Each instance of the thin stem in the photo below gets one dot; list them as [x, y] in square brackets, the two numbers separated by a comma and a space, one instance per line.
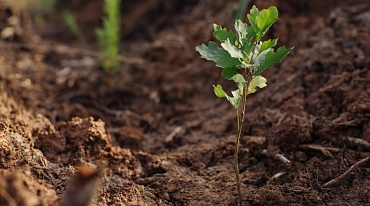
[236, 152]
[245, 94]
[238, 119]
[240, 123]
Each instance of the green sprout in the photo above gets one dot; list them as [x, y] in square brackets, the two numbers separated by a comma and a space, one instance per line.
[243, 59]
[71, 22]
[109, 36]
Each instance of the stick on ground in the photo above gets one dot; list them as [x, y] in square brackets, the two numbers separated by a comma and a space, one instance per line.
[340, 177]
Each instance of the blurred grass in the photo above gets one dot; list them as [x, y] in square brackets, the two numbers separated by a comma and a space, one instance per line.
[71, 22]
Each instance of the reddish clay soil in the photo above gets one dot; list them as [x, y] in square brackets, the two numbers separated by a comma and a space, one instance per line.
[155, 134]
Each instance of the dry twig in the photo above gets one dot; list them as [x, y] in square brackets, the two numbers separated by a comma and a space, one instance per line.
[170, 137]
[283, 159]
[324, 150]
[276, 176]
[340, 177]
[358, 142]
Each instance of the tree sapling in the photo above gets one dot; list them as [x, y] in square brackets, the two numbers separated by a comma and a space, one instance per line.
[243, 58]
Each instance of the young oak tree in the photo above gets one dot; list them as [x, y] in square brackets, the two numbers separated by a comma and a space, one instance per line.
[243, 58]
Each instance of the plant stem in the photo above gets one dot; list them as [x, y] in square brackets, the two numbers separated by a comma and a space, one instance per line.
[236, 152]
[240, 123]
[248, 77]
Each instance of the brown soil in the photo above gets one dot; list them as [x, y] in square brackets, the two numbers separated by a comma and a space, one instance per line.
[156, 134]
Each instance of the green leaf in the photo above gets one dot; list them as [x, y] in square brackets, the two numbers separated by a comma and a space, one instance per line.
[259, 59]
[234, 51]
[238, 78]
[232, 74]
[268, 44]
[241, 28]
[219, 92]
[248, 49]
[221, 34]
[257, 81]
[220, 56]
[250, 34]
[236, 99]
[262, 20]
[245, 32]
[229, 73]
[273, 58]
[252, 16]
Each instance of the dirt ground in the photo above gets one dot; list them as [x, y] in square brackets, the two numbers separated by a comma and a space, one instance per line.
[155, 134]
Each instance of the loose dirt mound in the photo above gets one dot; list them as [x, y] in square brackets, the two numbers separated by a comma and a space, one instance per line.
[156, 135]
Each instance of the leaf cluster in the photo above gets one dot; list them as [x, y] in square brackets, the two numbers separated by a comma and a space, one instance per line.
[244, 56]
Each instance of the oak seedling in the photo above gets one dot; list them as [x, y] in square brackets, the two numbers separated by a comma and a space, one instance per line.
[243, 58]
